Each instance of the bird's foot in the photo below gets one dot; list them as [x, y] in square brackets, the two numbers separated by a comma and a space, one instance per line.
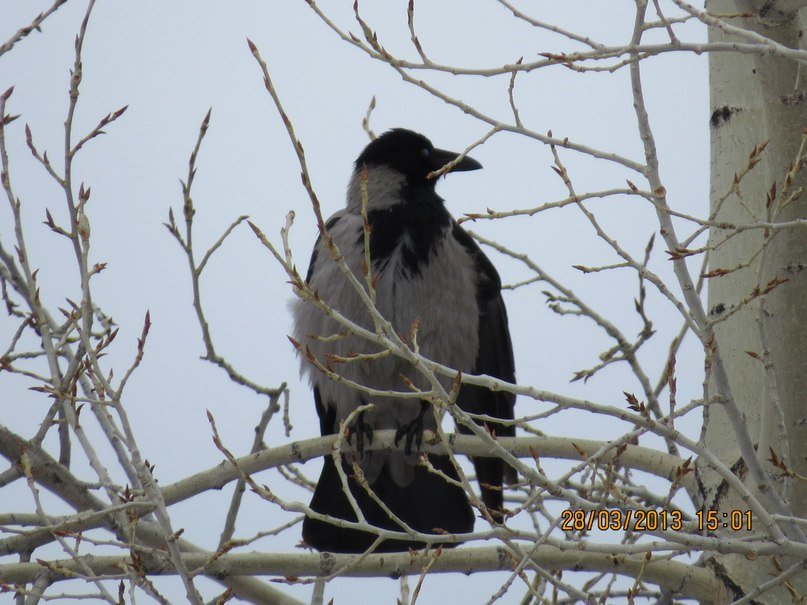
[412, 431]
[361, 430]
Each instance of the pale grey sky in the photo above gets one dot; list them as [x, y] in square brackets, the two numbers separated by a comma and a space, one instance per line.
[171, 61]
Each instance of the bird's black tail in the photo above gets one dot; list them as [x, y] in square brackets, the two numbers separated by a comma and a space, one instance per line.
[429, 504]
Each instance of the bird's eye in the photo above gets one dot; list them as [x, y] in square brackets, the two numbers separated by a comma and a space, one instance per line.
[425, 152]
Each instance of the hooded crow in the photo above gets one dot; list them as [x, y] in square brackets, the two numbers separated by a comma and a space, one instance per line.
[427, 272]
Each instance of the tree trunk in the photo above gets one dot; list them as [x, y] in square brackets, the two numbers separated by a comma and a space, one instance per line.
[757, 99]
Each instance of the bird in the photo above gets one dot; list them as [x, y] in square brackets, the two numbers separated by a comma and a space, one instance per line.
[428, 273]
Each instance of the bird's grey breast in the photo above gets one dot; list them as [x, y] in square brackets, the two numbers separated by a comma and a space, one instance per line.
[440, 299]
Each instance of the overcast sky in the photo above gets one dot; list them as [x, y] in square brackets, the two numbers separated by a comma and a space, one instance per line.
[171, 62]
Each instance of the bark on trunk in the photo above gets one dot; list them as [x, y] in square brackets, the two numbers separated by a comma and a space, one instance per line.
[757, 99]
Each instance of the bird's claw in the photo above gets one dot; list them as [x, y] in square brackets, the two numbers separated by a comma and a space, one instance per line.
[361, 430]
[413, 431]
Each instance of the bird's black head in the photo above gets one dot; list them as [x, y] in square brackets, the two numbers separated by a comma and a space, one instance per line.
[411, 154]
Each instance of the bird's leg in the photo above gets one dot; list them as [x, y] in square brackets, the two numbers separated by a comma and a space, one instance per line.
[413, 431]
[360, 429]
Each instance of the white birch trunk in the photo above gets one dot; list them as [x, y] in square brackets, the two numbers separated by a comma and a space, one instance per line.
[754, 99]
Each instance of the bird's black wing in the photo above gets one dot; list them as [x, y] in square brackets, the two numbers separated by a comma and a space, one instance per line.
[329, 224]
[494, 358]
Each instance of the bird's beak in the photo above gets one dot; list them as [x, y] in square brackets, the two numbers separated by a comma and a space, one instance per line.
[441, 157]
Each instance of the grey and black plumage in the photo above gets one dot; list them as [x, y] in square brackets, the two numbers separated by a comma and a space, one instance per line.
[426, 269]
